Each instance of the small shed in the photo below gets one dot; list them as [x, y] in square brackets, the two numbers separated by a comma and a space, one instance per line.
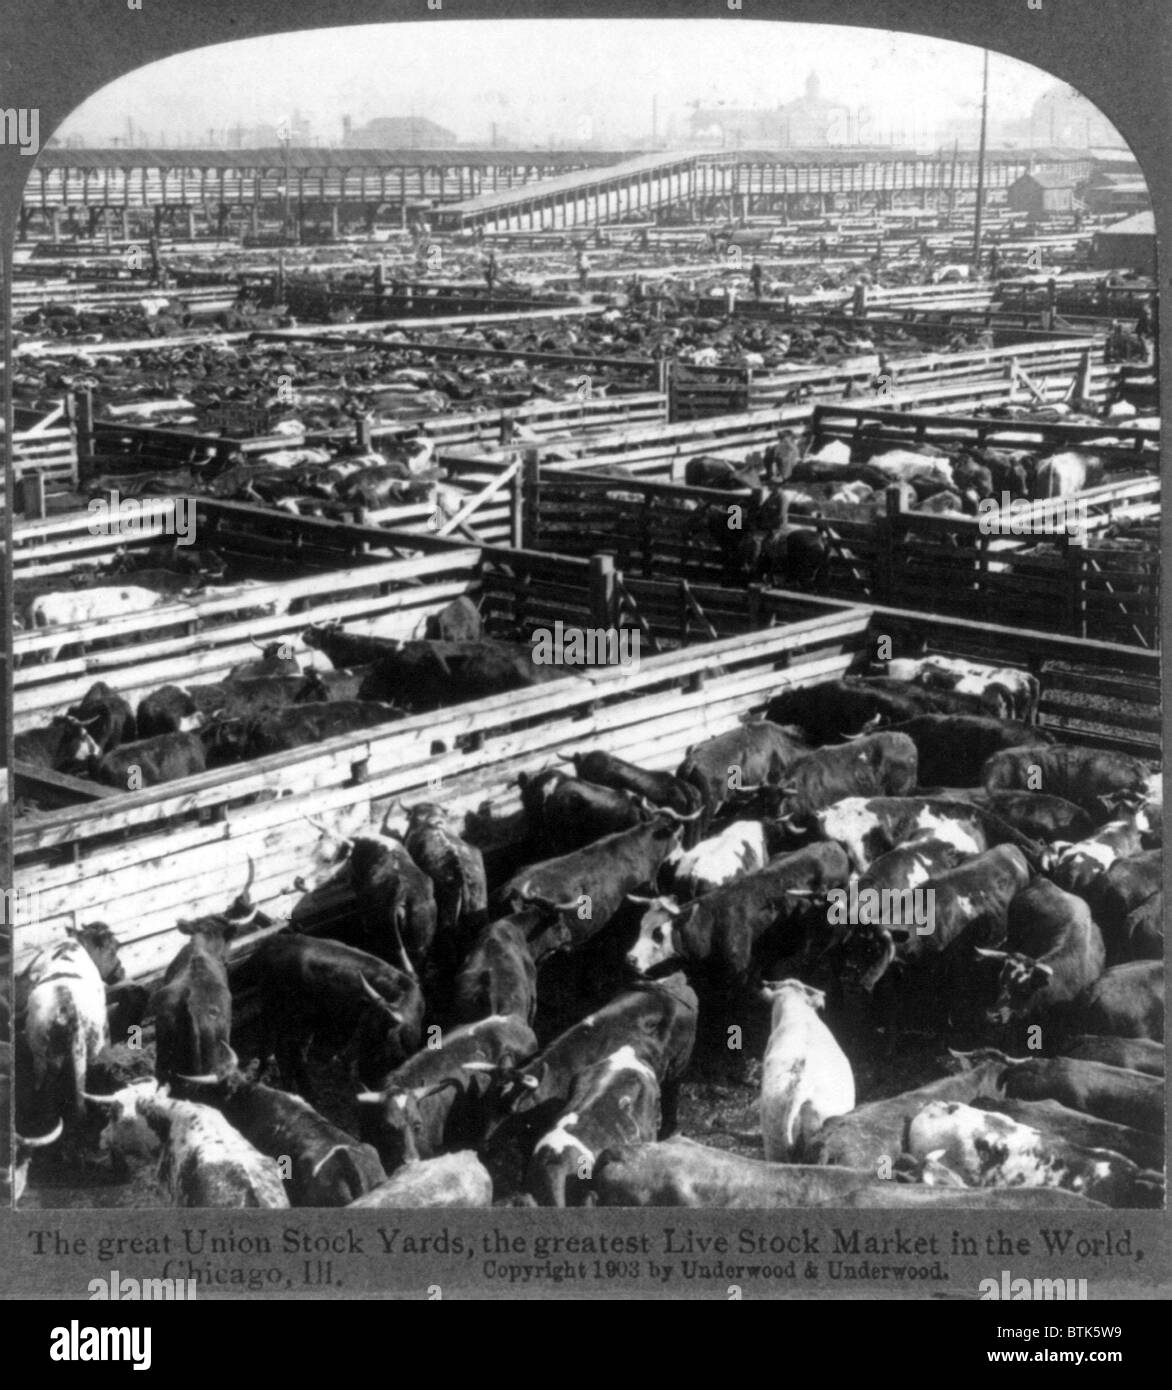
[1127, 245]
[1041, 195]
[1112, 193]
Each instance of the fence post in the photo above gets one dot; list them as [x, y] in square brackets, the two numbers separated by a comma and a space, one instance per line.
[506, 426]
[363, 434]
[603, 591]
[887, 554]
[380, 289]
[80, 408]
[531, 514]
[517, 510]
[32, 496]
[1075, 555]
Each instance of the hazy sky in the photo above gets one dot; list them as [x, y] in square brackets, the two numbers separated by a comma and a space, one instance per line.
[551, 76]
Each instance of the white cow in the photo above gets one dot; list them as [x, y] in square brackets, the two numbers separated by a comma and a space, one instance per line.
[89, 605]
[451, 1180]
[739, 849]
[1008, 692]
[205, 1161]
[806, 1078]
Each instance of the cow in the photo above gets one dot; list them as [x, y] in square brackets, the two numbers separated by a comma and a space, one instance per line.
[1079, 866]
[449, 1180]
[1069, 770]
[1117, 1094]
[833, 710]
[658, 1020]
[585, 889]
[150, 762]
[660, 788]
[344, 649]
[1127, 1001]
[741, 848]
[756, 753]
[615, 1101]
[1004, 691]
[564, 814]
[169, 710]
[432, 1101]
[456, 871]
[874, 765]
[678, 1172]
[206, 1162]
[458, 621]
[953, 748]
[868, 827]
[317, 990]
[276, 659]
[1067, 472]
[1038, 815]
[65, 1024]
[1054, 950]
[261, 733]
[498, 976]
[988, 1149]
[1055, 1120]
[193, 1003]
[107, 717]
[723, 475]
[805, 1077]
[871, 1136]
[326, 1166]
[1133, 1054]
[720, 931]
[62, 745]
[1125, 886]
[89, 606]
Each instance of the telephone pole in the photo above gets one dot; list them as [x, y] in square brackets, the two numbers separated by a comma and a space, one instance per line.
[981, 166]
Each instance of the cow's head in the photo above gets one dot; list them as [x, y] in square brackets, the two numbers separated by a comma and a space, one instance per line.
[1020, 979]
[866, 953]
[101, 945]
[392, 1120]
[427, 815]
[79, 748]
[794, 991]
[387, 1030]
[536, 789]
[657, 943]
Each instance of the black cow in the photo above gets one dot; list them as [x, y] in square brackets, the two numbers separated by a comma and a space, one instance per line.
[953, 748]
[169, 710]
[456, 870]
[62, 745]
[1083, 775]
[874, 765]
[150, 761]
[345, 649]
[585, 889]
[498, 975]
[433, 1102]
[459, 621]
[276, 659]
[564, 813]
[322, 991]
[660, 788]
[280, 730]
[1134, 1054]
[1127, 1001]
[193, 1004]
[833, 710]
[758, 753]
[106, 715]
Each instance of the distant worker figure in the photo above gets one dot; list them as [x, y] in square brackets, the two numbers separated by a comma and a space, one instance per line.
[1143, 321]
[583, 264]
[644, 240]
[823, 247]
[782, 458]
[756, 277]
[994, 262]
[490, 269]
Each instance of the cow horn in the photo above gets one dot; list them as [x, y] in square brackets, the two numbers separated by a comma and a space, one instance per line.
[44, 1140]
[207, 1079]
[378, 999]
[668, 812]
[331, 834]
[479, 1066]
[85, 723]
[426, 1092]
[369, 1097]
[789, 823]
[567, 757]
[255, 643]
[986, 954]
[872, 977]
[233, 1060]
[99, 1100]
[635, 898]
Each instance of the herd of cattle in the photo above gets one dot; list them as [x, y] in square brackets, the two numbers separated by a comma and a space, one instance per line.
[877, 859]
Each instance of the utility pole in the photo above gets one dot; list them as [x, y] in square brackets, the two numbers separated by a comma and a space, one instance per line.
[981, 166]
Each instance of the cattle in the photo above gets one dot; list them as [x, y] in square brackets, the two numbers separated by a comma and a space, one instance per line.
[1117, 895]
[498, 976]
[805, 1077]
[874, 765]
[459, 621]
[182, 559]
[659, 788]
[681, 1173]
[565, 814]
[834, 710]
[276, 659]
[432, 1101]
[107, 717]
[424, 676]
[1075, 773]
[758, 752]
[1005, 692]
[786, 556]
[193, 1004]
[1055, 1120]
[615, 1101]
[169, 710]
[456, 870]
[1078, 866]
[89, 606]
[449, 1180]
[326, 1166]
[1127, 1001]
[1067, 472]
[741, 848]
[65, 1025]
[585, 889]
[1117, 1094]
[871, 1136]
[259, 734]
[1038, 815]
[344, 649]
[126, 1139]
[1134, 1054]
[658, 1020]
[953, 748]
[206, 1162]
[317, 990]
[1054, 950]
[150, 762]
[988, 1149]
[62, 745]
[720, 931]
[723, 475]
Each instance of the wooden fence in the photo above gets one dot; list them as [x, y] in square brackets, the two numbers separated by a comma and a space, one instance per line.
[44, 449]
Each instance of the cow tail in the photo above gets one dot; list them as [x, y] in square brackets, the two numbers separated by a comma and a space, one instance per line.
[397, 925]
[79, 1064]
